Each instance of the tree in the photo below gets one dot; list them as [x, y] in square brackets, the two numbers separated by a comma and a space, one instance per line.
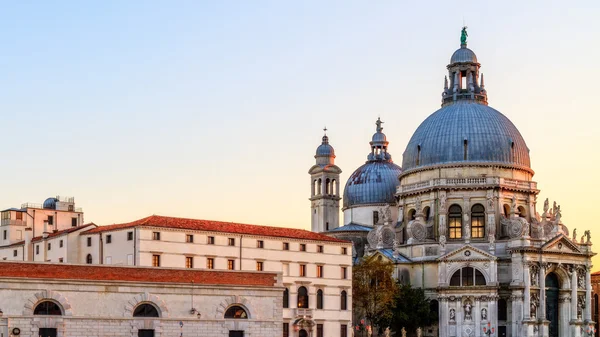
[412, 310]
[374, 290]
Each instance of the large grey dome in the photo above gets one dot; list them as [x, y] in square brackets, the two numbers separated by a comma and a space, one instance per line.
[373, 183]
[485, 134]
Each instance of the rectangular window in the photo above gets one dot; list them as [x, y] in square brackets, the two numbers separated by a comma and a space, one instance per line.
[260, 244]
[129, 236]
[231, 264]
[319, 330]
[4, 234]
[15, 253]
[302, 247]
[343, 330]
[89, 241]
[49, 246]
[155, 235]
[286, 329]
[210, 240]
[319, 271]
[50, 220]
[155, 260]
[210, 263]
[189, 262]
[37, 250]
[319, 249]
[344, 273]
[231, 241]
[286, 246]
[259, 266]
[60, 243]
[60, 259]
[73, 222]
[19, 215]
[189, 238]
[302, 270]
[109, 238]
[344, 251]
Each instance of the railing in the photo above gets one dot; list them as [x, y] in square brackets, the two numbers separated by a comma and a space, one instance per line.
[303, 312]
[8, 222]
[441, 182]
[40, 206]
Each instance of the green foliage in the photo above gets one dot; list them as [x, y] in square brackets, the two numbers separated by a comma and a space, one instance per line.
[374, 291]
[412, 310]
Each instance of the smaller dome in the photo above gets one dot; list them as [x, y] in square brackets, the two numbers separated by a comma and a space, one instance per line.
[379, 137]
[50, 203]
[325, 149]
[463, 55]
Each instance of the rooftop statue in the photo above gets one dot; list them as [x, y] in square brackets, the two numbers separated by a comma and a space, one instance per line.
[463, 36]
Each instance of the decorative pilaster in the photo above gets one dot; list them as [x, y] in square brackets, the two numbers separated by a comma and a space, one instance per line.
[527, 297]
[573, 293]
[588, 294]
[542, 283]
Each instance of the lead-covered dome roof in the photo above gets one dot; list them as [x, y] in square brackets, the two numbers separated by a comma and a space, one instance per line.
[466, 132]
[463, 55]
[374, 183]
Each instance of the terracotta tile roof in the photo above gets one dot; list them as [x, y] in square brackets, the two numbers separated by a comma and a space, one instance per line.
[596, 273]
[217, 226]
[64, 231]
[133, 274]
[20, 243]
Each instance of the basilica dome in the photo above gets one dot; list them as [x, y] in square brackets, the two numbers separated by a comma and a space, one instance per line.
[374, 183]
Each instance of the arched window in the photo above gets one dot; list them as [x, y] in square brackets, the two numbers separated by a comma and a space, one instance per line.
[314, 187]
[334, 187]
[426, 213]
[145, 310]
[455, 222]
[88, 259]
[302, 297]
[344, 300]
[467, 277]
[327, 186]
[522, 212]
[502, 310]
[477, 221]
[412, 214]
[319, 299]
[237, 312]
[319, 189]
[506, 209]
[47, 308]
[286, 298]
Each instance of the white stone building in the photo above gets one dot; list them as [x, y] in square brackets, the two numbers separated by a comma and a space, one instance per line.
[459, 219]
[65, 300]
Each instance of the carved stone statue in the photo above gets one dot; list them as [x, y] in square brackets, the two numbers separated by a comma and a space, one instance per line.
[514, 203]
[588, 235]
[452, 315]
[546, 206]
[533, 273]
[554, 207]
[387, 332]
[532, 310]
[484, 314]
[442, 202]
[403, 332]
[400, 214]
[463, 36]
[575, 234]
[419, 332]
[468, 308]
[580, 279]
[418, 205]
[467, 231]
[385, 214]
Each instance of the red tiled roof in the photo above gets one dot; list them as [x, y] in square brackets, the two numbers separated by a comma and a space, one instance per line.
[133, 274]
[20, 243]
[217, 226]
[596, 273]
[64, 231]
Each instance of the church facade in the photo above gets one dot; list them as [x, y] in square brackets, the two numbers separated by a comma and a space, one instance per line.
[460, 219]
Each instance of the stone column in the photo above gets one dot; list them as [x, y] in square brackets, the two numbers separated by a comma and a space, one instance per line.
[527, 294]
[542, 283]
[443, 319]
[588, 294]
[493, 311]
[477, 316]
[574, 293]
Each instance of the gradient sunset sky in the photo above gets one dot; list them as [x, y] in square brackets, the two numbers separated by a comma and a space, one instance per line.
[213, 109]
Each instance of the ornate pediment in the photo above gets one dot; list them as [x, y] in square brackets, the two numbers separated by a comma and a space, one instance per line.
[561, 244]
[467, 253]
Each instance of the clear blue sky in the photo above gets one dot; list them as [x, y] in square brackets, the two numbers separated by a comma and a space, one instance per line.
[214, 109]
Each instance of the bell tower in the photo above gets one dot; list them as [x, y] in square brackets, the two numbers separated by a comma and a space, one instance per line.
[325, 189]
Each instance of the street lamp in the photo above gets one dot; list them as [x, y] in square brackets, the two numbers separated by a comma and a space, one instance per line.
[488, 330]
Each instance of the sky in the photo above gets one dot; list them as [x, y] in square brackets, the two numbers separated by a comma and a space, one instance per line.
[213, 109]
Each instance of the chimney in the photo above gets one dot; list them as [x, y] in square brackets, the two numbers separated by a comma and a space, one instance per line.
[28, 248]
[45, 232]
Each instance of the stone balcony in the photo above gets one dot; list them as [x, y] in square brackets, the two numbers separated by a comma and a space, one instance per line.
[474, 182]
[303, 312]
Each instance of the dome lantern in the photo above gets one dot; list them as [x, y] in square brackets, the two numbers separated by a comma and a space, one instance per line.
[463, 72]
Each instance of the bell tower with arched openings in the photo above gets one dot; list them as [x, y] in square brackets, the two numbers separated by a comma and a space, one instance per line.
[325, 189]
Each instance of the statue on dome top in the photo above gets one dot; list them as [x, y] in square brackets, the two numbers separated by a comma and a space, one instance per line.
[463, 36]
[378, 123]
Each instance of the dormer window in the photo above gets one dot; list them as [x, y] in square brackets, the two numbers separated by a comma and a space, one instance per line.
[465, 149]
